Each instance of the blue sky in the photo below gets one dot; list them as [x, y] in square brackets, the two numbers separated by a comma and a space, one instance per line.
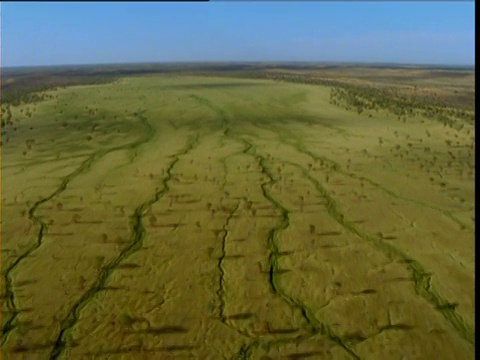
[85, 33]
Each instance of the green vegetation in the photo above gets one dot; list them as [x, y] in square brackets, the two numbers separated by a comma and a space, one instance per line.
[231, 217]
[360, 99]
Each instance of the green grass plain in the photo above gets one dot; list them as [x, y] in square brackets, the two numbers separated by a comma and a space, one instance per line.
[168, 216]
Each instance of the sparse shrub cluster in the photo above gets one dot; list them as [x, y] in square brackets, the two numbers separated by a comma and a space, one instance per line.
[6, 115]
[360, 98]
[19, 96]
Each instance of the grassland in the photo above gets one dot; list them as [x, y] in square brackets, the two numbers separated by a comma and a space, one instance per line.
[167, 216]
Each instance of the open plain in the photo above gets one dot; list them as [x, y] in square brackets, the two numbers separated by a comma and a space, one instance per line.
[166, 216]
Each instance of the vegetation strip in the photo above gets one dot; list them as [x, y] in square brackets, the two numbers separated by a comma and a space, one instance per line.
[314, 326]
[360, 98]
[221, 287]
[138, 234]
[422, 278]
[286, 139]
[9, 296]
[9, 291]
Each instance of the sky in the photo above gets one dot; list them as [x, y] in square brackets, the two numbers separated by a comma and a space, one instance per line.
[411, 32]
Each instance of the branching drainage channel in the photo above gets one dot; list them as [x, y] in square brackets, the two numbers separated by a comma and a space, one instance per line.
[10, 302]
[138, 234]
[421, 276]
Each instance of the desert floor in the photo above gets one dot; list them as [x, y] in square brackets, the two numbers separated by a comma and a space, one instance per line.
[167, 216]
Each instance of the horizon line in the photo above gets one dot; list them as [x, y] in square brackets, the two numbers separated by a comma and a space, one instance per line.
[271, 62]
